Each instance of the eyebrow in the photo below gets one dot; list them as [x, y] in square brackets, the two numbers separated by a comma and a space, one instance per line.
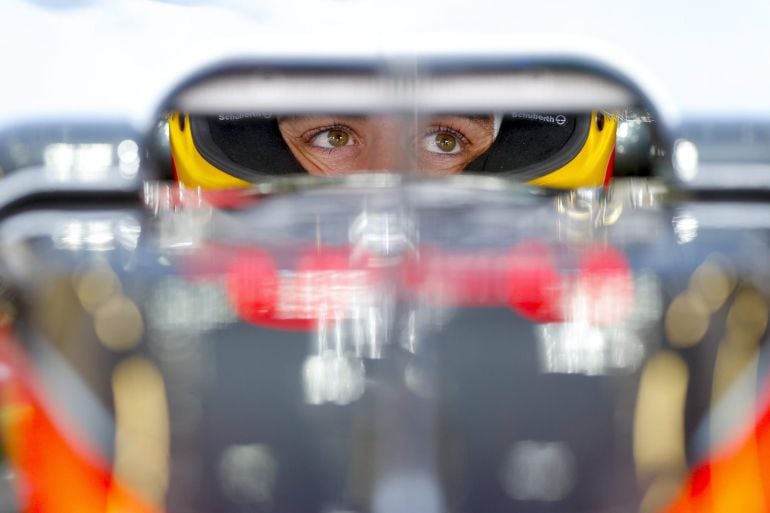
[483, 121]
[478, 118]
[294, 117]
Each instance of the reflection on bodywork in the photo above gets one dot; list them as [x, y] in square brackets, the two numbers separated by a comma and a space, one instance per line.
[179, 305]
[79, 163]
[248, 473]
[142, 428]
[538, 471]
[659, 440]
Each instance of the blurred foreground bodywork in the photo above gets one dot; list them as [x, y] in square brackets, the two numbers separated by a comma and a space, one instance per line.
[385, 344]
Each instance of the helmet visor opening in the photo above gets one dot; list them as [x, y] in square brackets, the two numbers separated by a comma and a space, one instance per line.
[252, 147]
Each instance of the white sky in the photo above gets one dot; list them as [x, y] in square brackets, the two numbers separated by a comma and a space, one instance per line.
[118, 58]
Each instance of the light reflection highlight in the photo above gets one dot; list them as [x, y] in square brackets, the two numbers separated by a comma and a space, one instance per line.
[95, 234]
[182, 216]
[538, 471]
[332, 378]
[128, 232]
[408, 491]
[321, 294]
[419, 379]
[578, 348]
[248, 473]
[648, 300]
[128, 158]
[78, 162]
[385, 235]
[179, 305]
[685, 227]
[686, 159]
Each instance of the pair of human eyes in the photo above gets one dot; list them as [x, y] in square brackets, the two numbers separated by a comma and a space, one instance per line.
[440, 140]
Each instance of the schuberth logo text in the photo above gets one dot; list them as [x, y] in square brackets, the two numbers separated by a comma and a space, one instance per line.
[558, 119]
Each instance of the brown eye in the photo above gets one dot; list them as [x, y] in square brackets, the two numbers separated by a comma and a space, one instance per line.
[445, 142]
[337, 138]
[332, 138]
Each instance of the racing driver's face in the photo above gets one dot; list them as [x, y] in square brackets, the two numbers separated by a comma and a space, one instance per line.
[336, 145]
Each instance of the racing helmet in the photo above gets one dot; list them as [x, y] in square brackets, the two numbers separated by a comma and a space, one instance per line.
[565, 151]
